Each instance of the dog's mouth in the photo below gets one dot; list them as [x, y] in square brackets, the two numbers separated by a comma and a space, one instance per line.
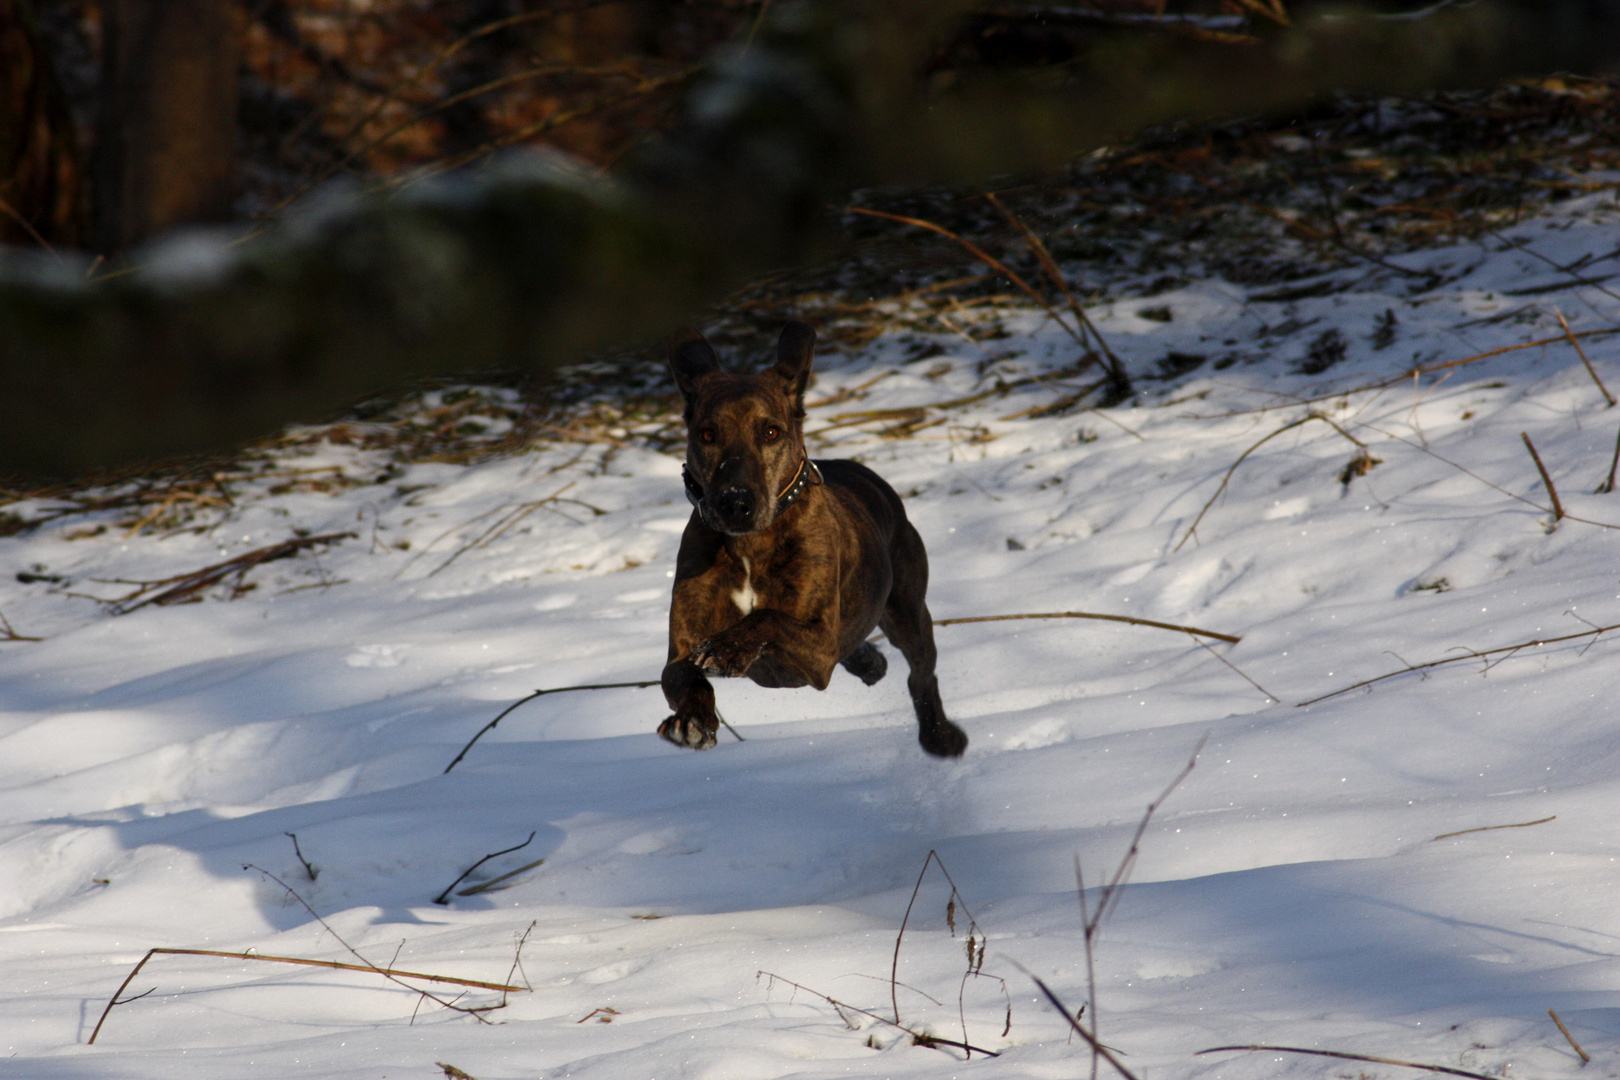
[737, 510]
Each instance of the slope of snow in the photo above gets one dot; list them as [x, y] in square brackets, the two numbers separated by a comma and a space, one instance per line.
[1291, 891]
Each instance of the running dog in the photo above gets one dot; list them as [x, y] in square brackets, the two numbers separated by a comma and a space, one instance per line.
[787, 564]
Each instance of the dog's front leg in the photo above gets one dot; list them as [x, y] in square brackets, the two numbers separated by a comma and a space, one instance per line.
[695, 720]
[807, 648]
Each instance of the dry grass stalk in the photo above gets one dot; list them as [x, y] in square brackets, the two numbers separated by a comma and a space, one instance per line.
[390, 972]
[1091, 920]
[308, 869]
[1558, 507]
[540, 693]
[1415, 373]
[843, 1008]
[1075, 332]
[1585, 1057]
[1131, 619]
[492, 883]
[1119, 381]
[1098, 1050]
[1590, 370]
[1238, 671]
[975, 950]
[1307, 418]
[1608, 485]
[9, 634]
[444, 897]
[184, 587]
[1493, 486]
[453, 1073]
[1492, 828]
[1357, 1057]
[1468, 655]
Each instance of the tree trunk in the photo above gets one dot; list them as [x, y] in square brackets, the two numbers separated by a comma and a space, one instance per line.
[166, 134]
[41, 197]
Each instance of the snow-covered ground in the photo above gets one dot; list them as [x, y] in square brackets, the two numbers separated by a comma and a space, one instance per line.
[1291, 891]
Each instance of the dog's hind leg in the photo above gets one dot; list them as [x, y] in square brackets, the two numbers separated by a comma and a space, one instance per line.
[907, 623]
[866, 663]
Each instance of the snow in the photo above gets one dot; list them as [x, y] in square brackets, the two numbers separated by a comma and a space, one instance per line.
[1292, 891]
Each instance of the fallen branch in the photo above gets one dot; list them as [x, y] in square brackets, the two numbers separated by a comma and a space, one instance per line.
[933, 1042]
[1489, 828]
[183, 587]
[444, 897]
[1131, 619]
[1357, 1057]
[1469, 655]
[539, 693]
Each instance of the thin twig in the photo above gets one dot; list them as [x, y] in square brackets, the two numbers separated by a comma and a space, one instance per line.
[1585, 1057]
[1590, 370]
[1489, 828]
[444, 897]
[308, 869]
[1468, 655]
[1236, 670]
[1307, 418]
[933, 1042]
[1131, 619]
[1097, 1048]
[9, 634]
[1558, 507]
[487, 886]
[539, 693]
[1356, 1057]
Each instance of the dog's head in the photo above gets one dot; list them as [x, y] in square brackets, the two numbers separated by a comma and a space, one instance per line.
[744, 433]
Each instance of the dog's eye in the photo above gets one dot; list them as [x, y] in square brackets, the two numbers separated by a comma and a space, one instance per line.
[707, 435]
[772, 433]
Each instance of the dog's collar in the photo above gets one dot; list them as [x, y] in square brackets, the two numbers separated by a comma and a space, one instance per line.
[807, 475]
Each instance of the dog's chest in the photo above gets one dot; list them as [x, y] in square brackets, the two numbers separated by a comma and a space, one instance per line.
[745, 597]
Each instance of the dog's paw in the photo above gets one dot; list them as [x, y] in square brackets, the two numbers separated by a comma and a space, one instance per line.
[725, 656]
[688, 731]
[943, 739]
[866, 663]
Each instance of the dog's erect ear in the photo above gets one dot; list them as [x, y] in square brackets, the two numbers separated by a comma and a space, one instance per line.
[793, 354]
[691, 358]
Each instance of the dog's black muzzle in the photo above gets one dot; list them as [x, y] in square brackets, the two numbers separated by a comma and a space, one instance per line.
[732, 510]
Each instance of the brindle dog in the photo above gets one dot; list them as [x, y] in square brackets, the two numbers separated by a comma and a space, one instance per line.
[786, 565]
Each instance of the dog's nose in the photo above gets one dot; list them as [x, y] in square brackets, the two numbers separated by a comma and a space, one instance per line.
[735, 506]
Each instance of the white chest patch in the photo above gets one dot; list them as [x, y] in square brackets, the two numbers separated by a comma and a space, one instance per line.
[745, 598]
